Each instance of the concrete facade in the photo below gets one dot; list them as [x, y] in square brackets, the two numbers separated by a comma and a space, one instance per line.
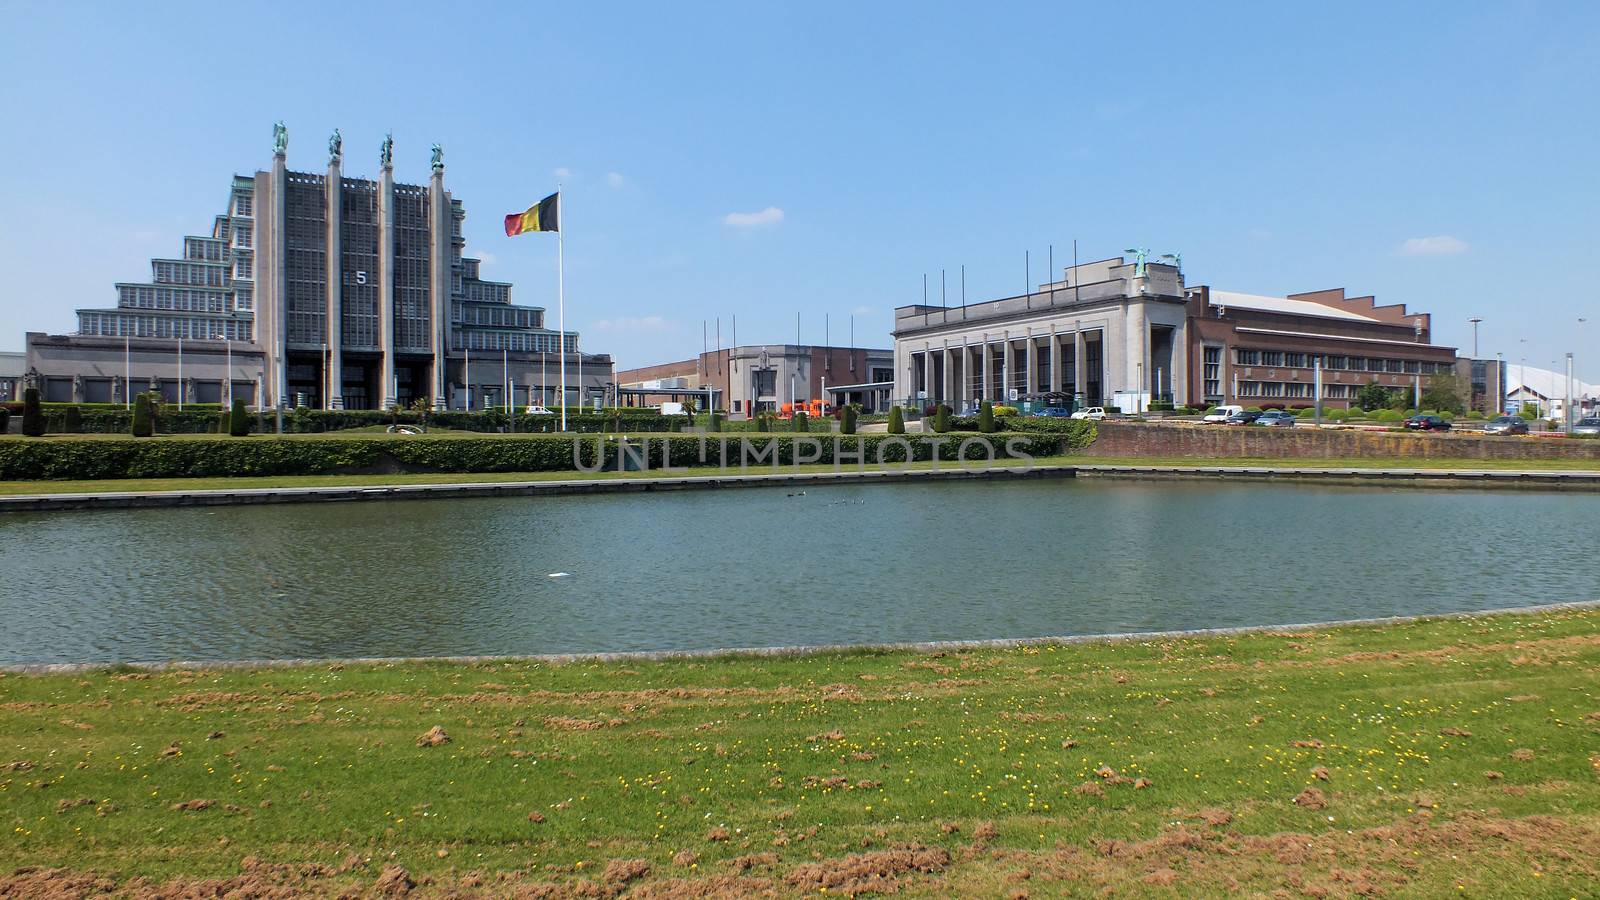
[330, 292]
[1110, 332]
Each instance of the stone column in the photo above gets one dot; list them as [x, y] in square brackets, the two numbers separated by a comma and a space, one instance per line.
[1055, 361]
[277, 294]
[439, 282]
[949, 375]
[984, 361]
[1080, 387]
[1032, 358]
[333, 329]
[386, 392]
[1008, 368]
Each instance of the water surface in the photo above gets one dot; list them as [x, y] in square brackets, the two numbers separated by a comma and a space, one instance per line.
[759, 567]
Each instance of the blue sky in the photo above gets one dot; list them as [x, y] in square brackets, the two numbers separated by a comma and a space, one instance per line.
[764, 160]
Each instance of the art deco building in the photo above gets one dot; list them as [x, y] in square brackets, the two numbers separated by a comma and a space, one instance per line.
[326, 291]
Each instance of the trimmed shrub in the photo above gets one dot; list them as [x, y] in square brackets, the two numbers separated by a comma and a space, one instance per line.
[144, 424]
[1112, 410]
[1160, 406]
[1003, 410]
[716, 421]
[762, 424]
[897, 421]
[941, 419]
[216, 457]
[801, 423]
[986, 418]
[1307, 413]
[5, 420]
[73, 423]
[224, 422]
[1529, 411]
[1388, 415]
[847, 419]
[32, 415]
[1474, 415]
[238, 419]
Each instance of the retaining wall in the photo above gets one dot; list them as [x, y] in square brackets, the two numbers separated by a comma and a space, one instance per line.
[1231, 442]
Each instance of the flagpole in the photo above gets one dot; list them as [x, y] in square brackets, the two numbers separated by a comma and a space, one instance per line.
[180, 372]
[467, 375]
[127, 372]
[561, 298]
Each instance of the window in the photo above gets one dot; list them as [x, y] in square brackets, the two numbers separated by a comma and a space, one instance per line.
[1294, 360]
[1272, 358]
[241, 205]
[1336, 363]
[1247, 357]
[241, 267]
[1211, 372]
[241, 235]
[1413, 367]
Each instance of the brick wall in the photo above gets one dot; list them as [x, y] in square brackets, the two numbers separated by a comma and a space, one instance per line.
[1224, 441]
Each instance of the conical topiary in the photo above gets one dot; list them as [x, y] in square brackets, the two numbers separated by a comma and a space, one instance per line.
[897, 421]
[986, 417]
[144, 424]
[941, 418]
[847, 419]
[238, 419]
[74, 421]
[801, 422]
[32, 416]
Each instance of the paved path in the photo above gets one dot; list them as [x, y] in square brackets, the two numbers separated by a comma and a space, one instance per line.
[1582, 480]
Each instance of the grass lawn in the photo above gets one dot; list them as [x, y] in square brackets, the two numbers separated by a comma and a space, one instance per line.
[195, 484]
[1452, 757]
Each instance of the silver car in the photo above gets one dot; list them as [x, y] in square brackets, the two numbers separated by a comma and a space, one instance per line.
[1589, 427]
[1506, 425]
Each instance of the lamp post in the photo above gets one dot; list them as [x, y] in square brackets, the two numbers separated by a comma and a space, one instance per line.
[1474, 320]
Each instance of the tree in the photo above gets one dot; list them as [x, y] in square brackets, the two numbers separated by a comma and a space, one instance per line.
[1372, 395]
[33, 424]
[941, 418]
[74, 421]
[986, 417]
[224, 421]
[801, 422]
[143, 422]
[238, 419]
[422, 406]
[1443, 393]
[761, 423]
[897, 421]
[847, 419]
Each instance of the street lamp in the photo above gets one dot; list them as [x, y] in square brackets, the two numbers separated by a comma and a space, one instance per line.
[1475, 320]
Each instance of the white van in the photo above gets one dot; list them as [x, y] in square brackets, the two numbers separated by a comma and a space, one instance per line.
[1221, 414]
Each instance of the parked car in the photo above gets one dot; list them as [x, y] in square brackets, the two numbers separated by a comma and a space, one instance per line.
[1427, 423]
[1093, 412]
[1221, 414]
[1054, 412]
[1506, 425]
[1587, 427]
[1242, 417]
[535, 409]
[1276, 418]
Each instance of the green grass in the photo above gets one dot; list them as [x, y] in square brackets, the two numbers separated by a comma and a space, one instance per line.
[316, 781]
[14, 488]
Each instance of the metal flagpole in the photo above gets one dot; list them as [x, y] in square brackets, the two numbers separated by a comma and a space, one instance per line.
[561, 297]
[544, 381]
[228, 341]
[180, 372]
[127, 372]
[467, 376]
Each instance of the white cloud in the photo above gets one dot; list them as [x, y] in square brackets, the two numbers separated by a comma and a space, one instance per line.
[765, 218]
[861, 311]
[616, 180]
[634, 325]
[482, 256]
[1434, 245]
[562, 172]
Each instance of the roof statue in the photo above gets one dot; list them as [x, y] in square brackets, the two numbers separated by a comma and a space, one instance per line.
[386, 155]
[1173, 259]
[1140, 254]
[280, 138]
[335, 146]
[438, 156]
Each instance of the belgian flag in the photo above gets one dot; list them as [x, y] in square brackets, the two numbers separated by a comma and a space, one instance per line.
[542, 216]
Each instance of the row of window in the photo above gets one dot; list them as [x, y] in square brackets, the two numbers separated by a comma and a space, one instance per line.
[112, 324]
[173, 272]
[487, 292]
[1273, 359]
[146, 296]
[1293, 390]
[516, 342]
[202, 249]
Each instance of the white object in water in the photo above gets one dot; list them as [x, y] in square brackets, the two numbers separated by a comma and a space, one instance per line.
[560, 575]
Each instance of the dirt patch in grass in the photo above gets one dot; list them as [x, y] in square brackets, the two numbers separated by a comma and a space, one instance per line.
[862, 873]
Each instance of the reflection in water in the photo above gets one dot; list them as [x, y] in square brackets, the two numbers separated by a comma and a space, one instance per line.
[756, 567]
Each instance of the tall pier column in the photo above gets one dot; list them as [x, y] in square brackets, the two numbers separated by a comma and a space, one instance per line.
[333, 328]
[439, 280]
[1031, 383]
[277, 294]
[1055, 361]
[987, 365]
[386, 390]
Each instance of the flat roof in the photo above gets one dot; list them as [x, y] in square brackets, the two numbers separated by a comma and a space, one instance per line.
[1285, 305]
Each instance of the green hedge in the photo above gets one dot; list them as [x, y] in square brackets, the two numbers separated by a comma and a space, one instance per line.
[99, 459]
